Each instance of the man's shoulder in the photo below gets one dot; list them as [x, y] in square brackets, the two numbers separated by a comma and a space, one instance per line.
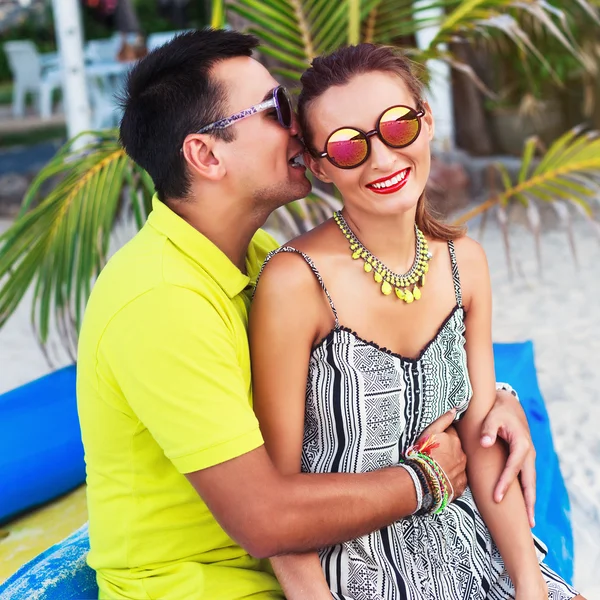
[129, 273]
[263, 243]
[141, 285]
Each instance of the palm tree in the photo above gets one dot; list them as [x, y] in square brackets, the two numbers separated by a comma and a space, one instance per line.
[60, 240]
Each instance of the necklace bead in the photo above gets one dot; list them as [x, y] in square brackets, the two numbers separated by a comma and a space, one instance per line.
[389, 280]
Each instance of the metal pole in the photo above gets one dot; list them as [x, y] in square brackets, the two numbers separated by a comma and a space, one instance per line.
[440, 87]
[69, 35]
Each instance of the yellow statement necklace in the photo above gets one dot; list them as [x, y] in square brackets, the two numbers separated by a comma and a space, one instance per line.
[389, 280]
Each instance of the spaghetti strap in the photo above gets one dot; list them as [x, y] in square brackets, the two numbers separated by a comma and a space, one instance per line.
[314, 269]
[455, 275]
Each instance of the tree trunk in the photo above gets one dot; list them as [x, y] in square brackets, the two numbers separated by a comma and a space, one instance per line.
[472, 130]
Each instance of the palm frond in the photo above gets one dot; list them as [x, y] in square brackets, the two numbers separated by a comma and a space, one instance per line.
[217, 19]
[476, 18]
[354, 19]
[300, 216]
[59, 242]
[295, 31]
[568, 172]
[493, 21]
[386, 20]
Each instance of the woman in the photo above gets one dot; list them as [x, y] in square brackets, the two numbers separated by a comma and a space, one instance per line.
[328, 399]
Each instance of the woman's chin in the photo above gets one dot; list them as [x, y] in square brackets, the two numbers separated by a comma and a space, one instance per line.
[401, 201]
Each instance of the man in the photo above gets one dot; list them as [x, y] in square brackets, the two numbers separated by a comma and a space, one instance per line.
[182, 496]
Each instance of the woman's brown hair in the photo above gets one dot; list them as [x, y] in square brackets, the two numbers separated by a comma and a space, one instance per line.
[337, 69]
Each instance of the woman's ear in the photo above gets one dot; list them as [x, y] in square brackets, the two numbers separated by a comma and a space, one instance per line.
[428, 120]
[316, 168]
[202, 155]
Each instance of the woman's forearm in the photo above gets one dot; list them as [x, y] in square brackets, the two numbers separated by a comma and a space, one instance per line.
[507, 520]
[301, 576]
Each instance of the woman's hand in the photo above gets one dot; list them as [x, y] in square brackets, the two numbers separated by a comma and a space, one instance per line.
[449, 454]
[507, 420]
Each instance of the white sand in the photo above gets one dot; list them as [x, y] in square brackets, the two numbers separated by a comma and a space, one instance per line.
[560, 313]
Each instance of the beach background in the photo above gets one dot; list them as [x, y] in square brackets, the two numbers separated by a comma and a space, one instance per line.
[557, 308]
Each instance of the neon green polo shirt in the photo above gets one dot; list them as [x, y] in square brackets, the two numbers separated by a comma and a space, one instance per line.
[163, 389]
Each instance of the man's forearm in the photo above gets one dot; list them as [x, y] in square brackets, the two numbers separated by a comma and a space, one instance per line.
[315, 511]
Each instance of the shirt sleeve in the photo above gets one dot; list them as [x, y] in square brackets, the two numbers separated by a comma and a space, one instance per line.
[174, 357]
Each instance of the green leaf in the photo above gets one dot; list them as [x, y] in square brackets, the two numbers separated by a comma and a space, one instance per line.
[530, 147]
[354, 21]
[218, 14]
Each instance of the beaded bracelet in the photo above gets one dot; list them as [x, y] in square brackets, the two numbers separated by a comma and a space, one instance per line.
[448, 482]
[439, 483]
[433, 481]
[443, 481]
[428, 500]
[418, 489]
[436, 482]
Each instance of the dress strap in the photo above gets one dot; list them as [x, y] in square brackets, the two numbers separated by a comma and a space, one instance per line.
[455, 275]
[314, 269]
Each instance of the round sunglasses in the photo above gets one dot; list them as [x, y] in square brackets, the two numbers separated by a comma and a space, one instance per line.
[349, 147]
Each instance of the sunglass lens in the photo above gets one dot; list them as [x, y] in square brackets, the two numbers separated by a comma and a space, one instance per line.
[285, 107]
[399, 126]
[347, 147]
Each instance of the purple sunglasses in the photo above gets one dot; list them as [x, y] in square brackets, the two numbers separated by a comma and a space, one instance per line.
[279, 100]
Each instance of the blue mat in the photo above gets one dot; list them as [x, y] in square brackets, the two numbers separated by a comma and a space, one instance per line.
[60, 573]
[515, 365]
[41, 454]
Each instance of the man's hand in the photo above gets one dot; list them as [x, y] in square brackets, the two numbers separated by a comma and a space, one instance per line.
[449, 454]
[507, 420]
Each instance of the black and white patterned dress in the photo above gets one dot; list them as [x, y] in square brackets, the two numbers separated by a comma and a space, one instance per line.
[365, 405]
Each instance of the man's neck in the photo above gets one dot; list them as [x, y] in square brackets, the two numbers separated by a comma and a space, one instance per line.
[231, 232]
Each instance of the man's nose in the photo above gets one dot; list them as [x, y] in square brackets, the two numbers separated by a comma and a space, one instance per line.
[295, 128]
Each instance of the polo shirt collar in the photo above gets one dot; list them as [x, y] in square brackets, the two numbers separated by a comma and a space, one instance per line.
[199, 248]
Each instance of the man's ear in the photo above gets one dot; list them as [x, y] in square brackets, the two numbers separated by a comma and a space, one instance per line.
[315, 166]
[428, 120]
[203, 157]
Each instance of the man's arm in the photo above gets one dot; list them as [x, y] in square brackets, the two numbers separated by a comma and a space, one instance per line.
[269, 513]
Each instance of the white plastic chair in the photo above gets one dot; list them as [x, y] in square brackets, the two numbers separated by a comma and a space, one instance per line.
[103, 92]
[29, 76]
[103, 50]
[155, 40]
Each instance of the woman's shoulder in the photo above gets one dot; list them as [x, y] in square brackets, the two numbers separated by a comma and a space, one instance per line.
[295, 264]
[318, 240]
[313, 246]
[469, 254]
[472, 268]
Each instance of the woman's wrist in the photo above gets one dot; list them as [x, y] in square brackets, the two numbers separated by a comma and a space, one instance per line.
[531, 587]
[527, 575]
[530, 577]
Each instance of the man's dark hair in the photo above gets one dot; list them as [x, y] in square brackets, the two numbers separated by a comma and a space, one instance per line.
[170, 94]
